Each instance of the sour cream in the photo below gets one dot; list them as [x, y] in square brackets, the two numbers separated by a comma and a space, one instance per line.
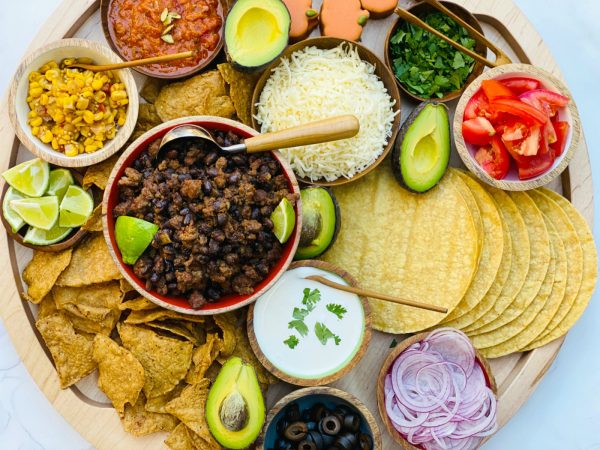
[310, 359]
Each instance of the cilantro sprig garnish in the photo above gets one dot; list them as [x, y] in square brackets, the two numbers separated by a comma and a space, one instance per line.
[336, 309]
[291, 342]
[324, 334]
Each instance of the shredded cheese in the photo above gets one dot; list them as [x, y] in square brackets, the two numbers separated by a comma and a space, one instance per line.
[315, 84]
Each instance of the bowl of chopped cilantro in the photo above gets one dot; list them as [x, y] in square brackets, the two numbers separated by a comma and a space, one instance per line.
[425, 66]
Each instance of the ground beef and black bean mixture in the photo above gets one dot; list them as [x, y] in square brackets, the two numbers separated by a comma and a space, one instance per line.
[215, 235]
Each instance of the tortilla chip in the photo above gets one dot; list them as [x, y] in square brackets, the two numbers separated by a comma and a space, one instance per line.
[151, 88]
[139, 422]
[47, 306]
[120, 375]
[98, 174]
[94, 223]
[147, 119]
[176, 328]
[126, 287]
[241, 88]
[93, 302]
[158, 404]
[227, 323]
[419, 246]
[204, 441]
[189, 407]
[137, 304]
[179, 439]
[165, 360]
[150, 315]
[104, 326]
[91, 263]
[71, 352]
[42, 272]
[202, 359]
[200, 95]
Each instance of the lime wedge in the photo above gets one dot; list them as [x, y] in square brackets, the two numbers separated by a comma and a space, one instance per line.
[60, 180]
[284, 219]
[75, 208]
[15, 220]
[37, 236]
[133, 235]
[31, 177]
[38, 212]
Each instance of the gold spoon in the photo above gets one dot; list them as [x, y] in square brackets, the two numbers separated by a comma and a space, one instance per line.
[134, 63]
[367, 293]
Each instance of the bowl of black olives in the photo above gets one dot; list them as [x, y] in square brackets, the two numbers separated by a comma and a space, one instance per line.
[320, 418]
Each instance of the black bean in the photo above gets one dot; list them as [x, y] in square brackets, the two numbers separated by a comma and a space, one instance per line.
[207, 186]
[210, 158]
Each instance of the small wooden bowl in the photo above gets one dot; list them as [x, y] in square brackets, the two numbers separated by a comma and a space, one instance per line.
[511, 182]
[144, 70]
[307, 397]
[340, 373]
[383, 72]
[71, 240]
[385, 368]
[420, 9]
[18, 107]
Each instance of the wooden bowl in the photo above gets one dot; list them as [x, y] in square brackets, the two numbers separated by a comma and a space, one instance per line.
[340, 373]
[72, 239]
[309, 396]
[144, 70]
[511, 182]
[381, 71]
[180, 304]
[18, 107]
[385, 369]
[420, 9]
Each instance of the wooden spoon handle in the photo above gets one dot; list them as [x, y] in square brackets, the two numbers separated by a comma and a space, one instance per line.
[502, 57]
[332, 129]
[367, 293]
[409, 17]
[135, 63]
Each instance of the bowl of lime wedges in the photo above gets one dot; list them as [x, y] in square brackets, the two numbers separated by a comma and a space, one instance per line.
[45, 207]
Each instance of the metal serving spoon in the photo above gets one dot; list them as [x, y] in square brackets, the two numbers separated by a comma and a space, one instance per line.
[332, 129]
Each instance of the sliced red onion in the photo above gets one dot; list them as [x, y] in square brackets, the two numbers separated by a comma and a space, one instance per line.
[436, 394]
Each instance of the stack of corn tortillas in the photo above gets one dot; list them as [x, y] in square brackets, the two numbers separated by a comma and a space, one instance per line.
[515, 269]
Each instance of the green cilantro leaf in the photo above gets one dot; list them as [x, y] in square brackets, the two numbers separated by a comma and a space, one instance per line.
[336, 309]
[291, 342]
[299, 326]
[324, 334]
[311, 298]
[300, 314]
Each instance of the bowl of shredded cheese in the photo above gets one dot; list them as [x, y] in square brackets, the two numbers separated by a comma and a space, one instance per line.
[323, 77]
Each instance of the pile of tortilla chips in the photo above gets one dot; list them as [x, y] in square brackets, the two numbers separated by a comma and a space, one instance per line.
[515, 269]
[155, 365]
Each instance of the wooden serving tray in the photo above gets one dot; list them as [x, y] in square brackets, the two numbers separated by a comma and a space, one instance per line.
[88, 410]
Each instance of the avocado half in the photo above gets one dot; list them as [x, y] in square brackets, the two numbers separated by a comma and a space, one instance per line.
[256, 32]
[235, 408]
[321, 220]
[422, 151]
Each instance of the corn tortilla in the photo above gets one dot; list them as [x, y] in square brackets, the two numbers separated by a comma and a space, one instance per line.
[415, 246]
[539, 243]
[491, 249]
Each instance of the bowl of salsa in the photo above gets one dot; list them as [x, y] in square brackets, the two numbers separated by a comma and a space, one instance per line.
[137, 29]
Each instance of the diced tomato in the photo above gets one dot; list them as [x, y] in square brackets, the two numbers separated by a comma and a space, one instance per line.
[513, 131]
[527, 146]
[533, 166]
[478, 131]
[562, 131]
[520, 85]
[546, 96]
[549, 132]
[494, 90]
[493, 158]
[477, 106]
[519, 109]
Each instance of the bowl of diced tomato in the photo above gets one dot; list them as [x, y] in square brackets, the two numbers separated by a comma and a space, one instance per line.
[516, 127]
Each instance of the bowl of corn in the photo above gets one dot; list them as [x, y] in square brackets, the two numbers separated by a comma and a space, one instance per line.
[72, 117]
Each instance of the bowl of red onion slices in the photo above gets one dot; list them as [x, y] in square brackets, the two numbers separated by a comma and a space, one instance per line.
[437, 392]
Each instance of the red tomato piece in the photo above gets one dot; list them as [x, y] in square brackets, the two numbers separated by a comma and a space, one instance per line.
[527, 146]
[562, 131]
[494, 159]
[533, 166]
[478, 131]
[514, 131]
[519, 109]
[519, 85]
[494, 90]
[477, 106]
[545, 96]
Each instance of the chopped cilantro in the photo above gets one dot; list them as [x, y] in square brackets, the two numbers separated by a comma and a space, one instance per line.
[394, 343]
[311, 298]
[291, 342]
[300, 314]
[299, 326]
[336, 309]
[324, 334]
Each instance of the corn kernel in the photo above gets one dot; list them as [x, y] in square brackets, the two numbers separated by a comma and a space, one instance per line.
[46, 137]
[71, 150]
[36, 122]
[35, 92]
[90, 148]
[88, 116]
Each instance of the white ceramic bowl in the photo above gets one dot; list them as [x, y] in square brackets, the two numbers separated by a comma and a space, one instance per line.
[18, 107]
[569, 113]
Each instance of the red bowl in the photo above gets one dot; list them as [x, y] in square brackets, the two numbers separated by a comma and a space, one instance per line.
[180, 304]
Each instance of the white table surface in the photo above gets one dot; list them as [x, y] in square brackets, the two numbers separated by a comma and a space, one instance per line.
[562, 414]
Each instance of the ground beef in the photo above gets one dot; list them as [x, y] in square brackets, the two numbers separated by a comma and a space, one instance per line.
[215, 236]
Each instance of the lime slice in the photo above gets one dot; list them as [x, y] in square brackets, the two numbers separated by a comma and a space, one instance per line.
[133, 235]
[284, 219]
[31, 177]
[36, 236]
[60, 180]
[15, 221]
[75, 208]
[38, 212]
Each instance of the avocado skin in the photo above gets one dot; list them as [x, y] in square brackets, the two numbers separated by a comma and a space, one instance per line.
[397, 150]
[309, 252]
[259, 68]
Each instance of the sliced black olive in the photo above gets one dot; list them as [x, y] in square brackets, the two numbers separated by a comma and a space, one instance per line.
[318, 411]
[282, 444]
[282, 424]
[306, 416]
[296, 431]
[330, 425]
[346, 441]
[317, 438]
[351, 423]
[341, 410]
[292, 412]
[311, 425]
[307, 445]
[365, 441]
[327, 440]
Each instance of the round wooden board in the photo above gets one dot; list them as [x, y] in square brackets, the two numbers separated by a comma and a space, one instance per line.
[86, 408]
